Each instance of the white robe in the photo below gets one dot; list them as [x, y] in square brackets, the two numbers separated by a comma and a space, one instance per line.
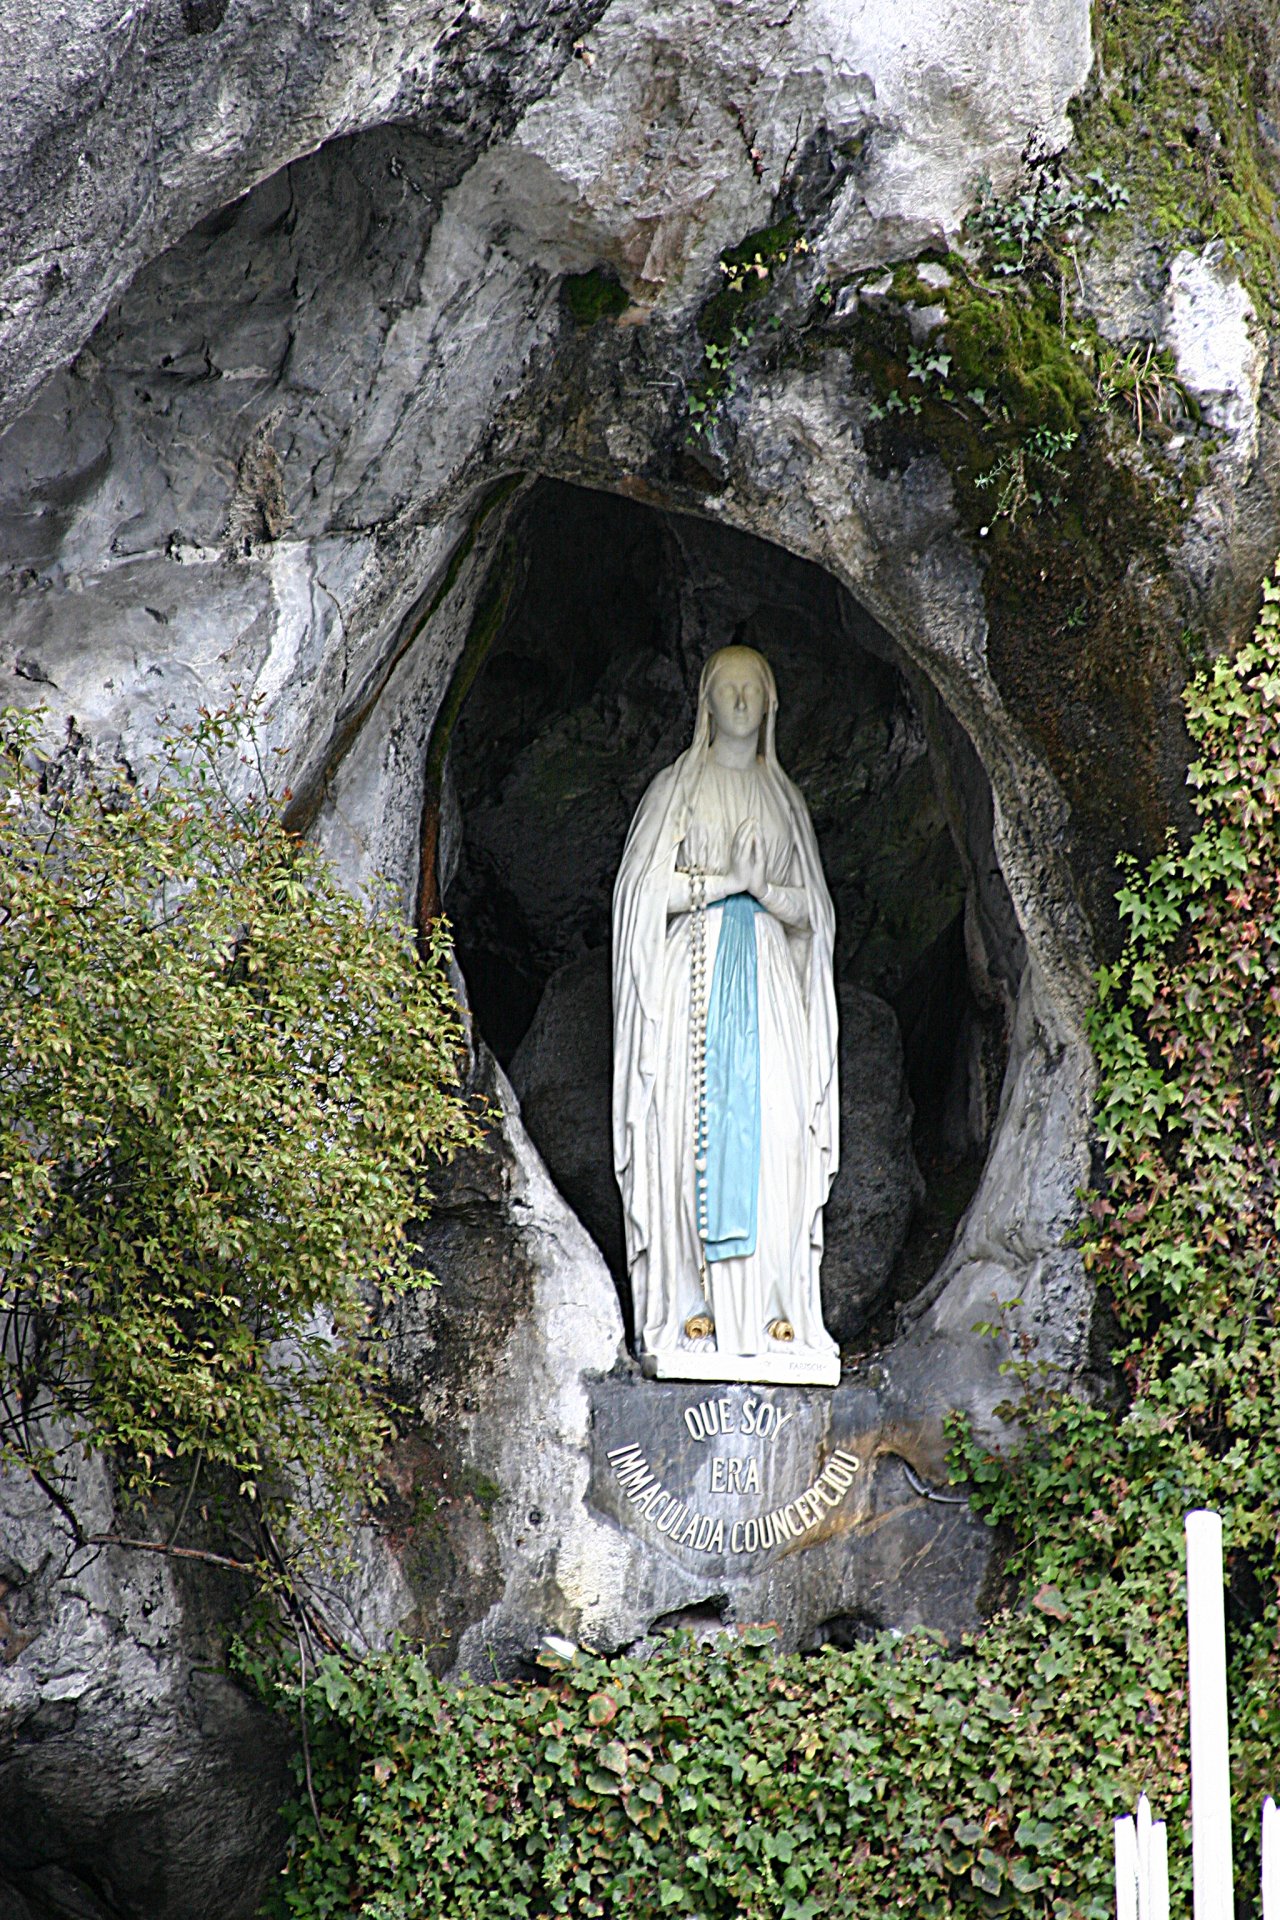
[688, 817]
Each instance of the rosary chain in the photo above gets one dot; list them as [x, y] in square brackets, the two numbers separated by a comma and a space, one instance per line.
[698, 1063]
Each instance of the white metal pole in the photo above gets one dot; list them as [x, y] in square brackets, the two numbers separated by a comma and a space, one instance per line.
[1144, 1858]
[1152, 1864]
[1270, 1861]
[1126, 1870]
[1159, 1872]
[1210, 1756]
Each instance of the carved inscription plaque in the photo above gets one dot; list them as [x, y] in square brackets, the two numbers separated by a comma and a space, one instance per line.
[736, 1475]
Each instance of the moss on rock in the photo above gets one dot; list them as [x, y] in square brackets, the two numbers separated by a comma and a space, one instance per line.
[1013, 347]
[597, 295]
[1034, 414]
[1174, 109]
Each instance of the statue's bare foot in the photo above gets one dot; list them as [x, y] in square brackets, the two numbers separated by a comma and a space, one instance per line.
[699, 1326]
[781, 1330]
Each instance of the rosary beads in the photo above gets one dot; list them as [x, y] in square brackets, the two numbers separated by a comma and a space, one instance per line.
[698, 1045]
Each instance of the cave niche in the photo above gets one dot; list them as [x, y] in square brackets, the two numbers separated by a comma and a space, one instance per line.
[585, 688]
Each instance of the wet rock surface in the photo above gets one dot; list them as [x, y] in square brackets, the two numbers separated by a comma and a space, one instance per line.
[800, 1505]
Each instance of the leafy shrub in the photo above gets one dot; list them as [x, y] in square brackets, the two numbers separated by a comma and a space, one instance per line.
[712, 1781]
[902, 1776]
[219, 1078]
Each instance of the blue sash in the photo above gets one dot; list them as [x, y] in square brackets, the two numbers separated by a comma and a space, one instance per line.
[733, 1086]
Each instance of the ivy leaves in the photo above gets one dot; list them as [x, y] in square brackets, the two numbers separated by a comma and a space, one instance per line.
[721, 1780]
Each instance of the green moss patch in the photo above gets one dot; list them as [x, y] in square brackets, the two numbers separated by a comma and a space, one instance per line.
[1173, 111]
[598, 295]
[1008, 347]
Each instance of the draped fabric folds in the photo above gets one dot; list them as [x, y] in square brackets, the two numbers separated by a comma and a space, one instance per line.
[767, 1268]
[733, 1086]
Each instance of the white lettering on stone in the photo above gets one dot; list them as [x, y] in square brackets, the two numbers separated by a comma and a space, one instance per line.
[735, 1475]
[732, 1474]
[674, 1513]
[690, 1535]
[709, 1418]
[762, 1417]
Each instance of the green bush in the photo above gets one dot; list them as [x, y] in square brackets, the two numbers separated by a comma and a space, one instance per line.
[220, 1076]
[718, 1781]
[904, 1776]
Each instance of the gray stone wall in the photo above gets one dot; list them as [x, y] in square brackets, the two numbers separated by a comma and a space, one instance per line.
[284, 338]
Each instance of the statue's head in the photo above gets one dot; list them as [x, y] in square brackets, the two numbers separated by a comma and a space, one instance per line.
[737, 692]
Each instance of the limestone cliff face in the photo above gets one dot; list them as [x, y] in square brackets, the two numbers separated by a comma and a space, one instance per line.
[298, 308]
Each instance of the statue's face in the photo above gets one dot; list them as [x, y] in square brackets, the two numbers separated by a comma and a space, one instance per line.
[737, 698]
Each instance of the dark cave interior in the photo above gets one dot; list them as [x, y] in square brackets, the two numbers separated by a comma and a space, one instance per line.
[588, 688]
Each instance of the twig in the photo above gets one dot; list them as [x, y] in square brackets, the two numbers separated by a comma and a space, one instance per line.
[302, 1717]
[303, 1607]
[180, 1522]
[64, 1508]
[178, 1553]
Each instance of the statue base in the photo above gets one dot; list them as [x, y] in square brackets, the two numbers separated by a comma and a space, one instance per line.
[814, 1508]
[801, 1368]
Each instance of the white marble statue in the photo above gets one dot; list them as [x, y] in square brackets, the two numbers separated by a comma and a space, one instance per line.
[725, 1098]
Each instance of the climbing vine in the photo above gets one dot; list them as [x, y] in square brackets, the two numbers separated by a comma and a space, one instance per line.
[735, 314]
[904, 1776]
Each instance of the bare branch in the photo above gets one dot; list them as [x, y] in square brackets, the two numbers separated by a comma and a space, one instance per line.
[177, 1553]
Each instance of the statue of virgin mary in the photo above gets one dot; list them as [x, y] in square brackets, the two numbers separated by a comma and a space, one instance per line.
[725, 1097]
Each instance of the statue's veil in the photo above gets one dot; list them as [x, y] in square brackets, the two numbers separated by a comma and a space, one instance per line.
[640, 897]
[701, 742]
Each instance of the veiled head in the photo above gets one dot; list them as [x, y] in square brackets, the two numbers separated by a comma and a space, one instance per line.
[737, 692]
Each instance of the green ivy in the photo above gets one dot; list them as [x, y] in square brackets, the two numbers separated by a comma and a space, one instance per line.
[710, 1781]
[905, 1776]
[728, 322]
